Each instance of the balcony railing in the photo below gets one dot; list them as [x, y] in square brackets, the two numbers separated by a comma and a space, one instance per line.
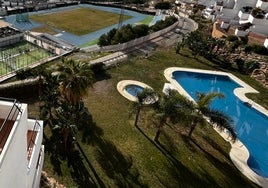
[7, 122]
[31, 137]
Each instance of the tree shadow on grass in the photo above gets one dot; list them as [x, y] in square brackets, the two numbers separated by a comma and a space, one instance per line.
[117, 166]
[225, 168]
[182, 176]
[79, 172]
[53, 149]
[88, 128]
[216, 146]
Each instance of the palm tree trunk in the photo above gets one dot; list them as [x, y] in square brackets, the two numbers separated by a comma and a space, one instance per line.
[159, 130]
[157, 134]
[137, 116]
[193, 125]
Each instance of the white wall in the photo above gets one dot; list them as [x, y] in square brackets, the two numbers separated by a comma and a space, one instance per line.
[255, 21]
[13, 170]
[266, 43]
[262, 5]
[35, 152]
[242, 3]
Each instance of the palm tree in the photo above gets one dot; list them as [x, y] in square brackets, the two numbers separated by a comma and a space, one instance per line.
[169, 108]
[146, 97]
[48, 94]
[74, 77]
[202, 110]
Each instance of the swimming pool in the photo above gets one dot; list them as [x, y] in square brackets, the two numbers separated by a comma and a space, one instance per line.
[134, 89]
[251, 125]
[130, 88]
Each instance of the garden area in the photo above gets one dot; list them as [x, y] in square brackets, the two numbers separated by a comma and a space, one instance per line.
[112, 152]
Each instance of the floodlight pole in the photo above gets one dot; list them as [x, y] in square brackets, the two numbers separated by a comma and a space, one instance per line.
[121, 17]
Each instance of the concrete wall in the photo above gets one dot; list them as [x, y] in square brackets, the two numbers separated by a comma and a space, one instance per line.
[11, 39]
[45, 44]
[133, 43]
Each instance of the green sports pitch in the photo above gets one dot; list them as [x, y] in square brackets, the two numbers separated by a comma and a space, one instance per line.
[79, 21]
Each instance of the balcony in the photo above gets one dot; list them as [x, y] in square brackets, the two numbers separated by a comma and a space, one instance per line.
[263, 4]
[258, 17]
[35, 151]
[9, 114]
[245, 12]
[34, 140]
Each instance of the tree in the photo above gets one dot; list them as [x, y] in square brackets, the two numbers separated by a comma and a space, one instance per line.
[74, 77]
[202, 109]
[141, 30]
[162, 5]
[49, 94]
[146, 97]
[240, 64]
[199, 43]
[170, 108]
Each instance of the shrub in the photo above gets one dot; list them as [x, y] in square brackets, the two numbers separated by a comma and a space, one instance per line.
[258, 49]
[240, 64]
[163, 5]
[24, 73]
[251, 65]
[232, 38]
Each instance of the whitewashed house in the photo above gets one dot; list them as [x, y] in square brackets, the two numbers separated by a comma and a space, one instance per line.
[21, 149]
[245, 16]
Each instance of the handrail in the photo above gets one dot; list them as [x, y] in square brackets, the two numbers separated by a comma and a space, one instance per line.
[31, 138]
[12, 115]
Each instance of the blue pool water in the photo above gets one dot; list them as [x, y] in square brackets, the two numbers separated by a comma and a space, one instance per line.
[133, 89]
[251, 126]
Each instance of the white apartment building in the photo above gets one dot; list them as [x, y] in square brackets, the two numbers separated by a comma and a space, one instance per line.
[247, 16]
[21, 149]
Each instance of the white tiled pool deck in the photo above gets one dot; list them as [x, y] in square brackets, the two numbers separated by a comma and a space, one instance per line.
[239, 153]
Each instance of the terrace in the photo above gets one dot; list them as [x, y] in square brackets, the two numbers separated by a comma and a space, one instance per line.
[8, 31]
[10, 119]
[20, 145]
[9, 115]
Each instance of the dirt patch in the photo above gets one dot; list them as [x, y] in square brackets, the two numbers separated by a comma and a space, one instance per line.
[102, 87]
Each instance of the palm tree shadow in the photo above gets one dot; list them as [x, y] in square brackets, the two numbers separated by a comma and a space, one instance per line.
[182, 176]
[117, 166]
[216, 146]
[79, 172]
[88, 128]
[226, 168]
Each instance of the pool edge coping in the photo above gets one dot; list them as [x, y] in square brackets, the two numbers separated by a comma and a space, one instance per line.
[239, 153]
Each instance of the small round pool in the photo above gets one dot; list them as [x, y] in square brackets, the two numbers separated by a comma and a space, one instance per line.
[133, 89]
[130, 88]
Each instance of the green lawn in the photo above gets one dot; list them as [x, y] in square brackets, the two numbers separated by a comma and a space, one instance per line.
[78, 21]
[120, 155]
[147, 20]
